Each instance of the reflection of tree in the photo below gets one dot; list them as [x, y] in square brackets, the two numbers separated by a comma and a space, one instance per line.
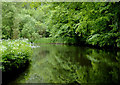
[104, 68]
[69, 64]
[65, 65]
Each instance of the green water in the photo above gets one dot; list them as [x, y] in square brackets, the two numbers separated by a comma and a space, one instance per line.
[72, 64]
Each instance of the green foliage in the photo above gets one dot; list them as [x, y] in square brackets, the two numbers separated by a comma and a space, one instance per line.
[91, 23]
[15, 54]
[73, 22]
[22, 22]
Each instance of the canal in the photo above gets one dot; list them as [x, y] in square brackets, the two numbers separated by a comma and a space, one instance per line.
[65, 64]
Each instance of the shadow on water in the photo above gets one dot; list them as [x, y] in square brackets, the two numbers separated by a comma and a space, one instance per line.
[72, 65]
[9, 77]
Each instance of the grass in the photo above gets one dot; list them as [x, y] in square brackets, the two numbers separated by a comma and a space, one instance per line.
[51, 40]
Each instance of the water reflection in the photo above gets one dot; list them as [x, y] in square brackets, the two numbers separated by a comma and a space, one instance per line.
[70, 64]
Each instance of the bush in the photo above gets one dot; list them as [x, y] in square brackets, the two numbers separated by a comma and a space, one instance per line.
[15, 54]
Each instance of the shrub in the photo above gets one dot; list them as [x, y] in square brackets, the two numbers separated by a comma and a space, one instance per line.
[15, 54]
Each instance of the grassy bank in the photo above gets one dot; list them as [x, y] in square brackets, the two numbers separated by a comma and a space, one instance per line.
[14, 54]
[51, 40]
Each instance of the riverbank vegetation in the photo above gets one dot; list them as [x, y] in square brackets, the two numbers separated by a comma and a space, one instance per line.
[96, 24]
[78, 23]
[15, 54]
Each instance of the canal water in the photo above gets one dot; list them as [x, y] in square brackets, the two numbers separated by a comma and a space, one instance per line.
[65, 64]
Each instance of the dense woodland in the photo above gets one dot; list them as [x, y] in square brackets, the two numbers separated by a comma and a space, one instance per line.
[24, 25]
[81, 23]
